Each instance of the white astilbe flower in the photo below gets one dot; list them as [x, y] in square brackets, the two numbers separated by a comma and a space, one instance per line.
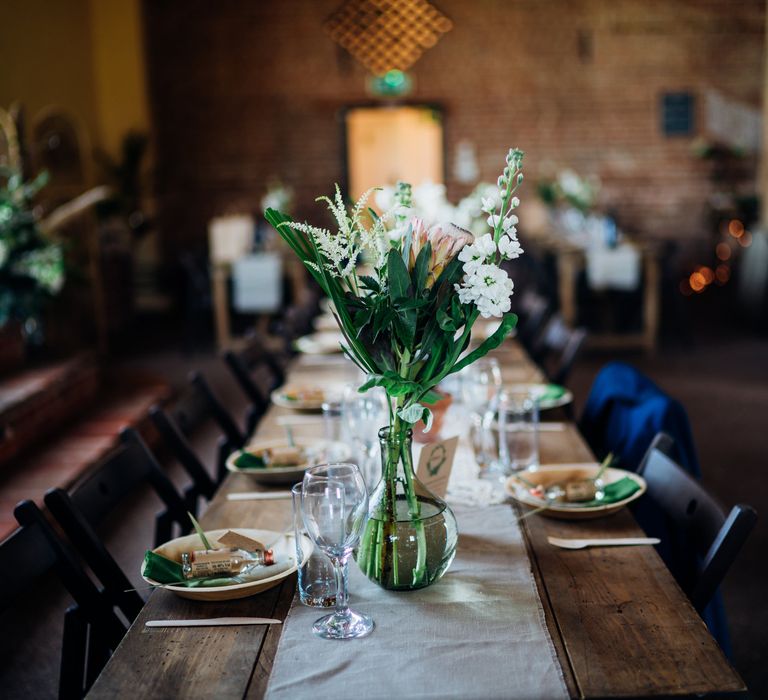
[339, 251]
[509, 247]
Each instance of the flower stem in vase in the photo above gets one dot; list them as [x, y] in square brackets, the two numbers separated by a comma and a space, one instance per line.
[410, 538]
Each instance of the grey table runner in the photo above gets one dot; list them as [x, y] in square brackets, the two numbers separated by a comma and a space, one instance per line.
[477, 633]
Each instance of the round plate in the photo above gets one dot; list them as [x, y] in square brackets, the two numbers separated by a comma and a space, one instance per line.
[326, 323]
[280, 398]
[322, 451]
[552, 474]
[539, 392]
[321, 343]
[283, 546]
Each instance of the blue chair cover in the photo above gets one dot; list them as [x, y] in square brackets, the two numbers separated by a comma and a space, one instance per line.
[624, 412]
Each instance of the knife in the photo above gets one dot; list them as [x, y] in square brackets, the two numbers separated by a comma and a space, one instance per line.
[214, 622]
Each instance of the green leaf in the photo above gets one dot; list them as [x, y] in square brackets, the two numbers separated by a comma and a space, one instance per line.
[421, 268]
[490, 343]
[397, 274]
[412, 413]
[393, 384]
[200, 532]
[431, 397]
[370, 283]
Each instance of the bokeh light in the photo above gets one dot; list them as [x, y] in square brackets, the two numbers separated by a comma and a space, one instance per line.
[723, 251]
[722, 274]
[745, 240]
[697, 282]
[707, 274]
[735, 228]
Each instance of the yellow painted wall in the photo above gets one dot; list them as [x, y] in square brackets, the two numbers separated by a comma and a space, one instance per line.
[85, 56]
[119, 73]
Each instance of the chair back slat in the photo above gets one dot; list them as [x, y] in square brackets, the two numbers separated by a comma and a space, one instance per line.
[684, 500]
[723, 552]
[232, 432]
[693, 513]
[92, 629]
[174, 439]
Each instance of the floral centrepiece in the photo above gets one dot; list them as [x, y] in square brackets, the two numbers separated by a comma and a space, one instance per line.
[408, 325]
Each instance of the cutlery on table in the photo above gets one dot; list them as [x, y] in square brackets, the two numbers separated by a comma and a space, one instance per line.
[258, 495]
[214, 622]
[612, 542]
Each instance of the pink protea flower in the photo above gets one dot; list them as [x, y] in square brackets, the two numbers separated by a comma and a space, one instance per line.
[447, 241]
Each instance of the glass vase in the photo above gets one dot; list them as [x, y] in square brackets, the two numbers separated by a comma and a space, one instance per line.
[410, 537]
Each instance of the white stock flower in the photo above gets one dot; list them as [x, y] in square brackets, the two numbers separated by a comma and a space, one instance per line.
[489, 288]
[509, 247]
[488, 205]
[476, 254]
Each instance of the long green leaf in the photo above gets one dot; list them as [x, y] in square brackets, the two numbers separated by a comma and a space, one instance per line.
[200, 532]
[397, 275]
[491, 343]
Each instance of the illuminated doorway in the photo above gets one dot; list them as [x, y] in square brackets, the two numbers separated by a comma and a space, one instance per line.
[387, 144]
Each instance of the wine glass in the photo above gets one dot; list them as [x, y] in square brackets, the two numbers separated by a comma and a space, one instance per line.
[480, 383]
[334, 505]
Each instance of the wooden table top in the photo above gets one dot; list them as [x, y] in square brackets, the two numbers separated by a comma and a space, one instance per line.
[620, 624]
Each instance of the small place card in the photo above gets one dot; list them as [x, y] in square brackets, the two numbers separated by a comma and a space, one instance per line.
[235, 539]
[435, 464]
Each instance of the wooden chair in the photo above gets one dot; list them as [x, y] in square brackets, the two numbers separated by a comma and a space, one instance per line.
[82, 510]
[175, 440]
[533, 310]
[557, 348]
[243, 365]
[234, 438]
[716, 537]
[92, 629]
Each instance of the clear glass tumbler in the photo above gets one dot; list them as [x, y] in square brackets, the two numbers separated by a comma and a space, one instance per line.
[518, 426]
[317, 580]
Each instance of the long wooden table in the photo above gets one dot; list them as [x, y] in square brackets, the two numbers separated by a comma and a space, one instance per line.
[620, 624]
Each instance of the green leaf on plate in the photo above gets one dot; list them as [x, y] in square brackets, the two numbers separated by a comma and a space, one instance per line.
[200, 532]
[246, 460]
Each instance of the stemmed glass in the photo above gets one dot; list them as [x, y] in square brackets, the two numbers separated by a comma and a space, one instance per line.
[334, 505]
[480, 382]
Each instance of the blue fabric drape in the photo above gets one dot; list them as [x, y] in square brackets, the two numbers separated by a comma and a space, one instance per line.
[624, 412]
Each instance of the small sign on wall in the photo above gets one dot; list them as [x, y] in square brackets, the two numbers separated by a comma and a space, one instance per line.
[677, 113]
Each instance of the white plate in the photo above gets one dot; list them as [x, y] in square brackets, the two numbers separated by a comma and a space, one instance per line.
[322, 451]
[552, 474]
[321, 343]
[279, 398]
[283, 546]
[539, 390]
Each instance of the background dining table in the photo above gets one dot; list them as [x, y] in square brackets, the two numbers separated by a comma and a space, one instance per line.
[620, 625]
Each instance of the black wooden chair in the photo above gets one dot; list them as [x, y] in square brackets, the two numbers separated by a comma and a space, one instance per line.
[92, 628]
[234, 438]
[557, 348]
[244, 365]
[533, 310]
[203, 485]
[81, 511]
[716, 538]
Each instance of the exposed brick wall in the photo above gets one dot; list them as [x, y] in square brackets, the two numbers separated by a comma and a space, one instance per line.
[242, 90]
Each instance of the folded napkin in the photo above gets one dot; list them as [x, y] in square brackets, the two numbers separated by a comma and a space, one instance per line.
[550, 392]
[617, 491]
[164, 570]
